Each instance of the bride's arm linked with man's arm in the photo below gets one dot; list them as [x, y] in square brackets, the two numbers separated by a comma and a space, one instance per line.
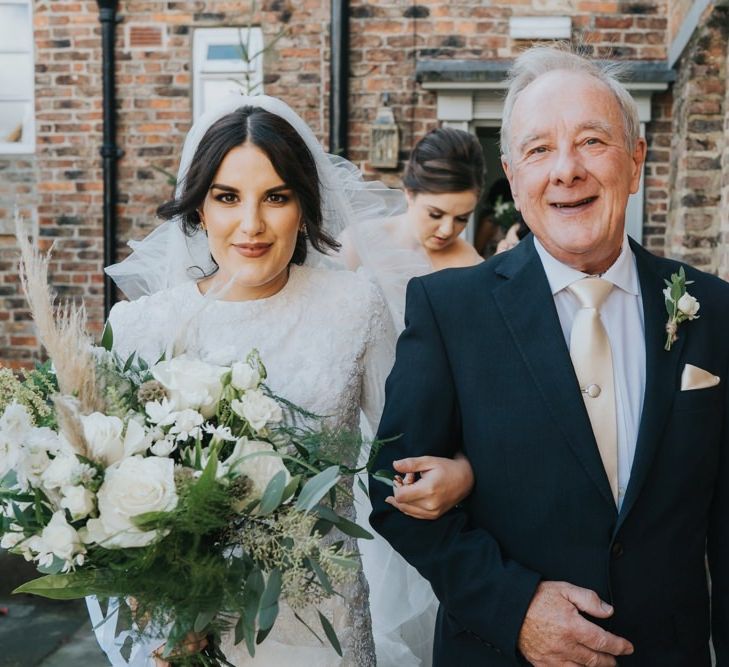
[464, 565]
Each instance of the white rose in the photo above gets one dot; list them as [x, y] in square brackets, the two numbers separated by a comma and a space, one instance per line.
[132, 487]
[244, 376]
[15, 424]
[63, 471]
[58, 539]
[259, 469]
[187, 424]
[107, 440]
[79, 501]
[104, 436]
[191, 383]
[257, 409]
[689, 306]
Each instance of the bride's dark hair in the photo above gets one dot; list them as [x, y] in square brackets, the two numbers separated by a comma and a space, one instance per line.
[289, 155]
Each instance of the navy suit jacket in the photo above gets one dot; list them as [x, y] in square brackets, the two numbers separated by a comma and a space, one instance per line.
[483, 367]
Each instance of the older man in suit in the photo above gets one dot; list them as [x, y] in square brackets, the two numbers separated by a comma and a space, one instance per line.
[595, 420]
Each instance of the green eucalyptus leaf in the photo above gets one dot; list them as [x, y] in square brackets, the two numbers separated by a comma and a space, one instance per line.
[128, 363]
[291, 487]
[54, 568]
[316, 488]
[273, 495]
[330, 633]
[363, 487]
[326, 584]
[58, 587]
[204, 619]
[107, 338]
[385, 476]
[269, 602]
[353, 530]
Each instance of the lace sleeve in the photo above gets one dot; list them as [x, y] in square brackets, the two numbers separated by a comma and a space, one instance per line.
[379, 357]
[142, 326]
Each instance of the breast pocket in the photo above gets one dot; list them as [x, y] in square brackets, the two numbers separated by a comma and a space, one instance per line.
[699, 399]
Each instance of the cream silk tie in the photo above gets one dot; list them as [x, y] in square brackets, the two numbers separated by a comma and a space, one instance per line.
[593, 362]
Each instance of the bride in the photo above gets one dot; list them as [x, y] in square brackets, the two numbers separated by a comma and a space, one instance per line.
[241, 263]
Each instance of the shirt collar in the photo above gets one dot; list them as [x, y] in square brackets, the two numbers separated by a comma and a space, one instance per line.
[623, 272]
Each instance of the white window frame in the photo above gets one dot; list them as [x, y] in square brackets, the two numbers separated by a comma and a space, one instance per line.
[27, 145]
[221, 70]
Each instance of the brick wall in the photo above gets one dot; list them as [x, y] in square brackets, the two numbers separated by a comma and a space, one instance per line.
[62, 185]
[699, 141]
[657, 171]
[389, 37]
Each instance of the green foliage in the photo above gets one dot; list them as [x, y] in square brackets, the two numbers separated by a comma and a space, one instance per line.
[32, 389]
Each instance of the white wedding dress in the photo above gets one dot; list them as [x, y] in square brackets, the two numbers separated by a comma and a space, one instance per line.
[326, 342]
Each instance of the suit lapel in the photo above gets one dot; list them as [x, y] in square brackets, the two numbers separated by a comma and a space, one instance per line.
[527, 306]
[661, 374]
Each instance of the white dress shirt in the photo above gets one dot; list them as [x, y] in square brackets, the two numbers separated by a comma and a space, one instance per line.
[622, 316]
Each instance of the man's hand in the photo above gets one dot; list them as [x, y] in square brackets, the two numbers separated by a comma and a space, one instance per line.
[554, 632]
[443, 484]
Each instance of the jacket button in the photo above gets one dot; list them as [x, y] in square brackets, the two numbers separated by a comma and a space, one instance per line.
[616, 550]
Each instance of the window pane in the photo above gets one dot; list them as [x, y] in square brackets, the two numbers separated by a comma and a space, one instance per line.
[12, 115]
[16, 75]
[15, 28]
[225, 52]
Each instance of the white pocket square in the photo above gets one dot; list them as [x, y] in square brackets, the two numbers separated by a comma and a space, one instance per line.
[694, 377]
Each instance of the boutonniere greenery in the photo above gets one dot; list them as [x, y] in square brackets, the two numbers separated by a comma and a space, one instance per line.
[681, 306]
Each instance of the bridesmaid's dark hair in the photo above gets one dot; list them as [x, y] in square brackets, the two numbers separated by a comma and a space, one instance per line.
[445, 160]
[289, 155]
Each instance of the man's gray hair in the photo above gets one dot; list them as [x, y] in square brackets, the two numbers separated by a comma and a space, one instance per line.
[531, 64]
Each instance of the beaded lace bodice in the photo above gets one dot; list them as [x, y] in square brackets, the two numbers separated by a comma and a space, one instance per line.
[323, 337]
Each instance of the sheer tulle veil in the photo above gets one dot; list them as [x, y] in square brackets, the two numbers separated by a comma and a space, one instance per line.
[168, 256]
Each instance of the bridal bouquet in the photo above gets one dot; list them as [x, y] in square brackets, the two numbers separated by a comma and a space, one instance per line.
[187, 488]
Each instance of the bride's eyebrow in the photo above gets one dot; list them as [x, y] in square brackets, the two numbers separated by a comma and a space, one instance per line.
[224, 188]
[278, 188]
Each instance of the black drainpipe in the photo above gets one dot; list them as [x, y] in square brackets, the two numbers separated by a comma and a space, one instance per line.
[109, 151]
[339, 89]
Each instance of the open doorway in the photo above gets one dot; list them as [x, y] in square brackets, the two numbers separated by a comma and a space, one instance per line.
[495, 213]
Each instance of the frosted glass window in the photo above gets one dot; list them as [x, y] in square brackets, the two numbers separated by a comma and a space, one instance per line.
[14, 22]
[16, 75]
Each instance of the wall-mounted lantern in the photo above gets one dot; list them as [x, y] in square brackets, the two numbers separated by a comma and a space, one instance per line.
[384, 138]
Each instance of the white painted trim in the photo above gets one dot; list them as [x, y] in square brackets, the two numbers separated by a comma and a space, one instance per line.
[688, 25]
[540, 27]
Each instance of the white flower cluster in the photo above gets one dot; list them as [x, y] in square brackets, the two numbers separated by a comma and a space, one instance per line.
[128, 464]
